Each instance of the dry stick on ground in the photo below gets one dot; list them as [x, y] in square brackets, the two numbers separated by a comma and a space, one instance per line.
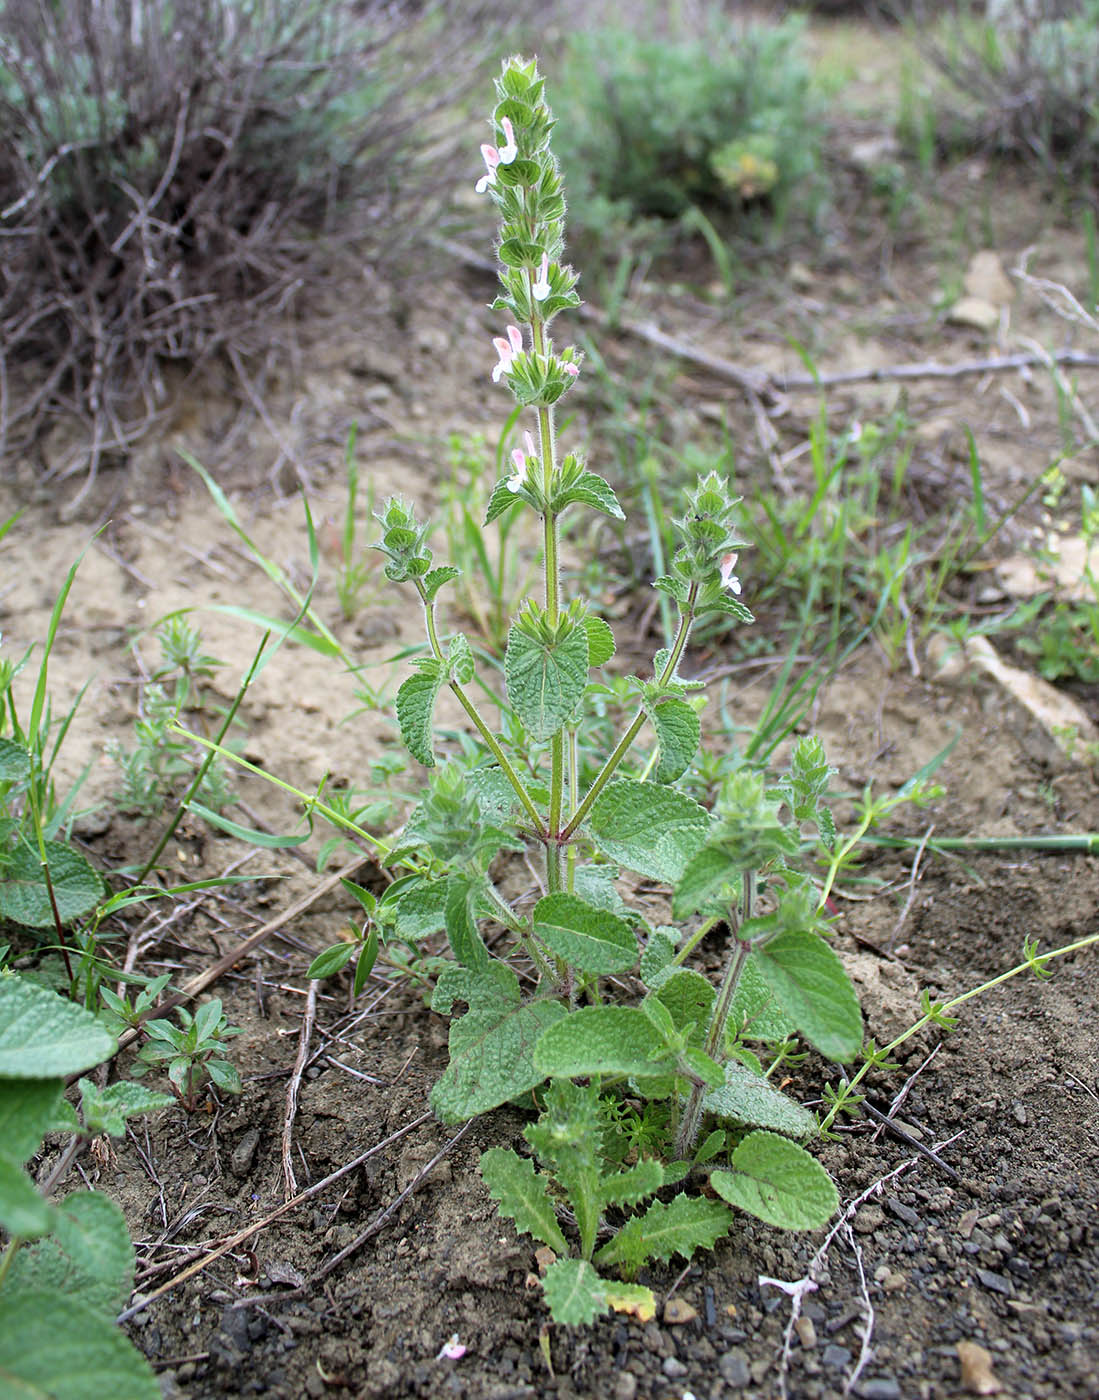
[798, 1290]
[289, 1185]
[231, 1243]
[868, 1309]
[895, 933]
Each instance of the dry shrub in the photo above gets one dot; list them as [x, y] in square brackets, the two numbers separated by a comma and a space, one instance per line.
[172, 172]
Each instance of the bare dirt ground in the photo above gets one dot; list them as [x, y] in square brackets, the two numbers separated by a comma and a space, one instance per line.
[997, 1245]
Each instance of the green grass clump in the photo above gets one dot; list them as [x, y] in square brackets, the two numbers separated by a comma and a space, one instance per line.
[719, 119]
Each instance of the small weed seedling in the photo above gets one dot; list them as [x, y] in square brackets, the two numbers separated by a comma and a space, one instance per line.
[649, 1078]
[194, 1052]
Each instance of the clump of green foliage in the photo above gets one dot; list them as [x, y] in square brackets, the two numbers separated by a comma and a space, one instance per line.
[720, 119]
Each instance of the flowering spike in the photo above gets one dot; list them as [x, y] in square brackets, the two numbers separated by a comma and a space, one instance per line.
[518, 479]
[541, 289]
[728, 578]
[507, 350]
[509, 151]
[492, 160]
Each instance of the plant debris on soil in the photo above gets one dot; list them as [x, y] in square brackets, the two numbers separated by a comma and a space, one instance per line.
[968, 1268]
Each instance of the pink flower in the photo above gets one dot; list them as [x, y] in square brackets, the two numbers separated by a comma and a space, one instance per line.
[570, 369]
[509, 151]
[518, 480]
[728, 578]
[541, 289]
[452, 1350]
[507, 350]
[492, 160]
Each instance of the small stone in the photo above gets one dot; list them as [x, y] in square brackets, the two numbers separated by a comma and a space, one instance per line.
[836, 1356]
[976, 1365]
[807, 1332]
[985, 278]
[996, 1283]
[894, 1282]
[868, 1219]
[734, 1369]
[678, 1311]
[880, 1388]
[625, 1387]
[240, 1160]
[974, 313]
[968, 1223]
[1019, 1113]
[902, 1212]
[673, 1368]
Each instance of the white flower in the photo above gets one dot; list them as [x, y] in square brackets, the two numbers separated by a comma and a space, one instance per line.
[518, 480]
[728, 578]
[492, 160]
[507, 350]
[509, 151]
[541, 288]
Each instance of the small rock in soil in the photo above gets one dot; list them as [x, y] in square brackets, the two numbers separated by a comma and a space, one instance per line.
[880, 1388]
[625, 1387]
[734, 1369]
[903, 1212]
[674, 1369]
[240, 1160]
[868, 1219]
[996, 1283]
[807, 1332]
[976, 1365]
[836, 1356]
[678, 1311]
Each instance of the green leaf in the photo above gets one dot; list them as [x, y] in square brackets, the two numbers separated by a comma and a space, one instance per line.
[590, 490]
[225, 1076]
[460, 659]
[627, 1188]
[42, 1034]
[492, 1045]
[677, 733]
[416, 709]
[521, 1195]
[434, 579]
[545, 680]
[269, 840]
[658, 954]
[501, 499]
[24, 1214]
[603, 1040]
[649, 828]
[15, 761]
[748, 1098]
[778, 1182]
[466, 942]
[755, 1014]
[600, 640]
[27, 1109]
[701, 886]
[575, 1294]
[57, 1348]
[688, 996]
[106, 1110]
[24, 898]
[331, 960]
[422, 911]
[685, 1224]
[88, 1255]
[810, 985]
[365, 965]
[589, 939]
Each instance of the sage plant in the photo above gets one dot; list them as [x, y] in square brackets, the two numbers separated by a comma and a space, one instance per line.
[656, 1076]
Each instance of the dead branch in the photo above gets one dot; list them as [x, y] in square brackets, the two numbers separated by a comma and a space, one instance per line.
[290, 1185]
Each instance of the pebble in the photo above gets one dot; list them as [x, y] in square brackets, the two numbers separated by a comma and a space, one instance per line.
[836, 1356]
[807, 1332]
[868, 1219]
[678, 1311]
[673, 1368]
[734, 1369]
[880, 1388]
[903, 1212]
[996, 1283]
[625, 1387]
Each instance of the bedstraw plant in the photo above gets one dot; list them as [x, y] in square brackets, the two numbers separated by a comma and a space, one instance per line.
[648, 1077]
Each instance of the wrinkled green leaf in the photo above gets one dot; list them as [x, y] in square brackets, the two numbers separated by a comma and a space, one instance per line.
[27, 1109]
[600, 641]
[24, 897]
[811, 986]
[778, 1182]
[416, 709]
[709, 883]
[106, 1110]
[521, 1195]
[677, 733]
[15, 762]
[466, 942]
[603, 1040]
[658, 954]
[42, 1034]
[88, 1255]
[24, 1214]
[575, 1294]
[647, 827]
[688, 996]
[589, 939]
[747, 1098]
[492, 1045]
[57, 1348]
[590, 490]
[685, 1224]
[755, 1014]
[546, 680]
[627, 1188]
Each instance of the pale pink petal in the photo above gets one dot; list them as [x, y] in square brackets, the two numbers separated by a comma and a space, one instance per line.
[728, 578]
[570, 369]
[492, 160]
[509, 151]
[541, 288]
[515, 335]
